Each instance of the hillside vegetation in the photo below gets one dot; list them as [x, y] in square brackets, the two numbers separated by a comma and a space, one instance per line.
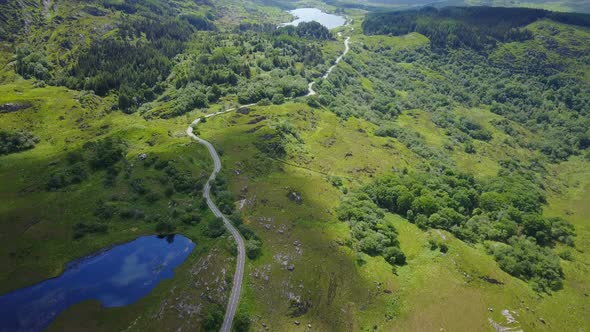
[440, 171]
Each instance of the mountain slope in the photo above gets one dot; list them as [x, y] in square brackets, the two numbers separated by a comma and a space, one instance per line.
[436, 181]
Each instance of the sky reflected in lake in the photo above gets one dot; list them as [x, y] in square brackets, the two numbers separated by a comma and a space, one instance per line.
[330, 21]
[116, 277]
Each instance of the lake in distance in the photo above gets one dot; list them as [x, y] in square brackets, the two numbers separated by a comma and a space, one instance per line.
[330, 21]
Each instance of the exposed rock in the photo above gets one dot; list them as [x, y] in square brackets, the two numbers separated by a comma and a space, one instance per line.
[257, 119]
[243, 110]
[508, 315]
[291, 267]
[492, 280]
[297, 322]
[142, 156]
[542, 320]
[295, 197]
[13, 107]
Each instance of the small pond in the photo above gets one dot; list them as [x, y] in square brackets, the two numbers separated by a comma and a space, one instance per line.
[330, 21]
[116, 277]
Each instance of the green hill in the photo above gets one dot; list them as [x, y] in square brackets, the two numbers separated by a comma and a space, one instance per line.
[438, 180]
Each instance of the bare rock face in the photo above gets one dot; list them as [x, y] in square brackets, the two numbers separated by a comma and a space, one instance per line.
[243, 110]
[13, 107]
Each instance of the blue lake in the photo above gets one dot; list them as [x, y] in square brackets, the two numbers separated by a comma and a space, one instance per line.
[116, 277]
[330, 21]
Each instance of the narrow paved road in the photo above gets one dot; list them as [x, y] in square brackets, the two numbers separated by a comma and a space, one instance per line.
[234, 298]
[311, 91]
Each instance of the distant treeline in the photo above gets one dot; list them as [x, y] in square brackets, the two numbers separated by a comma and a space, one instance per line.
[479, 28]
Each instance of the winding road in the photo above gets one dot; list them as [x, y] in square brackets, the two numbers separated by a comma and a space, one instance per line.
[311, 91]
[234, 298]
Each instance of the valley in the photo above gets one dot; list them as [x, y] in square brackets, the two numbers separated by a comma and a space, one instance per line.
[408, 170]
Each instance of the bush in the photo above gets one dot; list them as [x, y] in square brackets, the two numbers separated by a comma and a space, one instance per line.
[236, 219]
[191, 219]
[164, 228]
[66, 177]
[214, 318]
[242, 322]
[566, 255]
[16, 142]
[278, 99]
[394, 256]
[82, 229]
[153, 197]
[524, 259]
[104, 211]
[105, 153]
[132, 214]
[215, 228]
[253, 249]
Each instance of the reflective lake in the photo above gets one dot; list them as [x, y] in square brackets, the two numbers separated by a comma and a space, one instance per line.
[313, 14]
[116, 277]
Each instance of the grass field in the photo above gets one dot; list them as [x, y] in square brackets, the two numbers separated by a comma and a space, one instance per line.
[431, 292]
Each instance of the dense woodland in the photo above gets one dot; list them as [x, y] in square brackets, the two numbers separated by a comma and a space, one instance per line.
[148, 55]
[478, 28]
[484, 72]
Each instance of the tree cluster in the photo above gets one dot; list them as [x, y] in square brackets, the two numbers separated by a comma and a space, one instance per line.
[12, 142]
[372, 234]
[503, 209]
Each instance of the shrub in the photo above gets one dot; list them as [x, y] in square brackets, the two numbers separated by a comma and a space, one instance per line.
[104, 211]
[153, 197]
[242, 322]
[253, 249]
[82, 229]
[525, 259]
[191, 219]
[164, 228]
[215, 228]
[105, 153]
[278, 99]
[214, 318]
[394, 256]
[16, 142]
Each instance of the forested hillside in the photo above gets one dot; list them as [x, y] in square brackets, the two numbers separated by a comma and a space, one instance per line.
[580, 6]
[437, 178]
